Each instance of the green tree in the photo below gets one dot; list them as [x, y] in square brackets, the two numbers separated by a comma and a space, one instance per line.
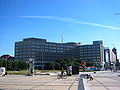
[89, 64]
[22, 65]
[49, 65]
[12, 65]
[2, 62]
[64, 62]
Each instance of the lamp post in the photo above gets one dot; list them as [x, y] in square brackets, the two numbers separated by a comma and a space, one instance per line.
[31, 66]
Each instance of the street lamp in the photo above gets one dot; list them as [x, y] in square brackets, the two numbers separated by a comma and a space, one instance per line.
[31, 66]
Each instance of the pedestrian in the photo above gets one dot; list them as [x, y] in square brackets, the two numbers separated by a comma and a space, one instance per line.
[91, 77]
[62, 71]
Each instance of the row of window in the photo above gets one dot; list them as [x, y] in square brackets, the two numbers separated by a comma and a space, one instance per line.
[32, 48]
[92, 49]
[28, 56]
[43, 54]
[33, 44]
[90, 55]
[91, 46]
[40, 58]
[89, 52]
[36, 51]
[91, 59]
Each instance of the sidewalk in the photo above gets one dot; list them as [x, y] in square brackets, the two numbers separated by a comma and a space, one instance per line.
[42, 82]
[105, 80]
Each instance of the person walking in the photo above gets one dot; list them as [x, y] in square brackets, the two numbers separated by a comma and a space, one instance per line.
[62, 71]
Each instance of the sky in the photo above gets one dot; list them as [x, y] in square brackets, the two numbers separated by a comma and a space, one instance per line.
[82, 21]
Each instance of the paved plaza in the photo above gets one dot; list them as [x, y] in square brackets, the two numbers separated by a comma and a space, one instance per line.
[43, 82]
[103, 80]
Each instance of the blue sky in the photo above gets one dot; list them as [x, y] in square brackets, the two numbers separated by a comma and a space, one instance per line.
[78, 20]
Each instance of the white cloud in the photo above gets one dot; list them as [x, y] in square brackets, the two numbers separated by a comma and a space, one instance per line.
[70, 25]
[71, 20]
[117, 42]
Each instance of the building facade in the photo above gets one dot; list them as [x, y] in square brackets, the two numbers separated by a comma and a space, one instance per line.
[43, 52]
[109, 58]
[92, 53]
[115, 52]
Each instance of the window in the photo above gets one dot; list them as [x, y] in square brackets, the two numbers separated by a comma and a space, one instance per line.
[16, 53]
[50, 47]
[80, 47]
[50, 44]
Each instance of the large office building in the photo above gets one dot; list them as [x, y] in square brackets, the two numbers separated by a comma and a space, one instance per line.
[92, 53]
[43, 52]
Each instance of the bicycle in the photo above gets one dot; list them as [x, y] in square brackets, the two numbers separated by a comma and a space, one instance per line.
[64, 76]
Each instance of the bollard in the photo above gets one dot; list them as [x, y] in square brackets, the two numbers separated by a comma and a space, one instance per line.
[83, 85]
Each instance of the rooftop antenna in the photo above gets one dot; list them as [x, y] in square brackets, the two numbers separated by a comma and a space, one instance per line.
[62, 38]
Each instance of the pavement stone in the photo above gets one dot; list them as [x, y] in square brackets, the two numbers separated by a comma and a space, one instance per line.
[105, 80]
[45, 82]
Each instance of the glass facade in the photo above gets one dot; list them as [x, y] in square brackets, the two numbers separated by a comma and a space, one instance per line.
[92, 53]
[43, 51]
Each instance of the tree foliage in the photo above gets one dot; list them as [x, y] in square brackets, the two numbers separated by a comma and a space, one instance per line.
[52, 65]
[63, 62]
[13, 65]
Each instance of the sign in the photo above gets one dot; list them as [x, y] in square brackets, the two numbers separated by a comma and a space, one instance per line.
[2, 71]
[83, 63]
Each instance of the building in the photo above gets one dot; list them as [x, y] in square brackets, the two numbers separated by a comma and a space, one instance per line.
[107, 55]
[115, 52]
[92, 53]
[109, 58]
[43, 52]
[112, 57]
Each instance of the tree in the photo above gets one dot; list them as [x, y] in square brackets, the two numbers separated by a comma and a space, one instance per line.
[22, 65]
[49, 65]
[89, 64]
[2, 62]
[64, 62]
[13, 65]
